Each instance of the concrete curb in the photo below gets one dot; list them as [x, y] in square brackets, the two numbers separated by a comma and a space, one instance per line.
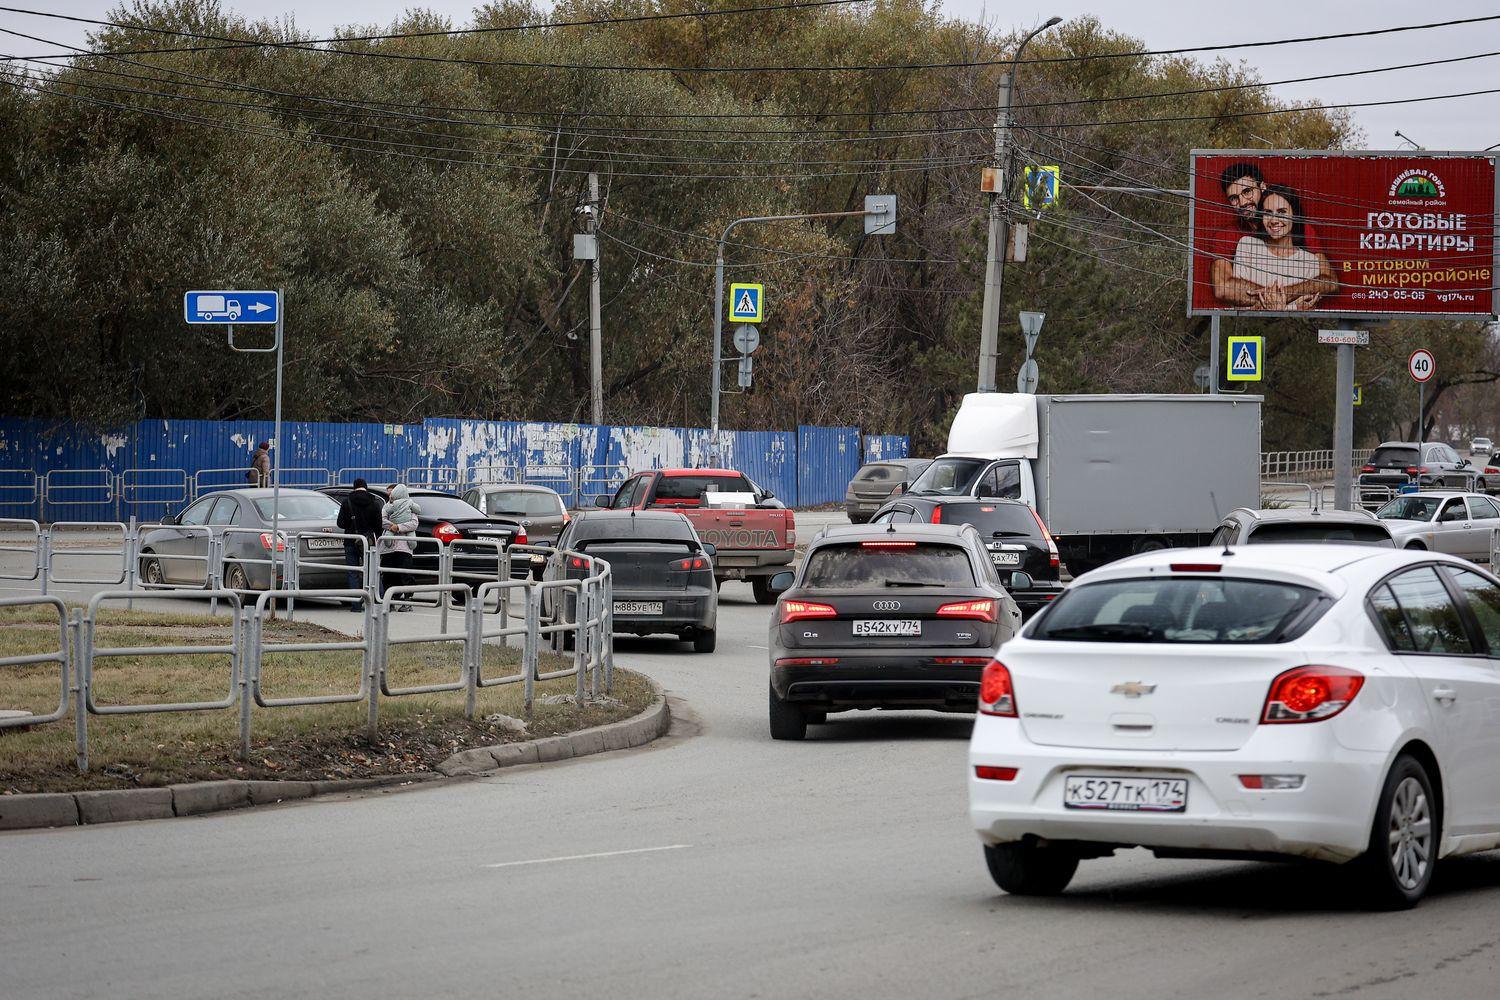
[53, 809]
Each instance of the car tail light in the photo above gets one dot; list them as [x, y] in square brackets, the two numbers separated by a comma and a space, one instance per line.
[989, 773]
[567, 517]
[888, 545]
[962, 661]
[937, 513]
[1368, 468]
[691, 563]
[578, 562]
[520, 537]
[1271, 782]
[982, 610]
[796, 611]
[1054, 560]
[1310, 694]
[1196, 567]
[996, 696]
[1490, 470]
[808, 661]
[445, 533]
[265, 541]
[1417, 470]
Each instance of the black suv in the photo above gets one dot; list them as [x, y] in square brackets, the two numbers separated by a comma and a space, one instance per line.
[1015, 536]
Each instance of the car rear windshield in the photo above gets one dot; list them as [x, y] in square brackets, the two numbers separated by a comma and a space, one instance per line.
[693, 487]
[675, 528]
[869, 565]
[1178, 609]
[1004, 520]
[524, 502]
[1300, 532]
[1410, 509]
[1392, 458]
[878, 472]
[300, 507]
[950, 476]
[448, 508]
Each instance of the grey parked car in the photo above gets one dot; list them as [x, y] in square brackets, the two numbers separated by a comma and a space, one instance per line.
[249, 509]
[1244, 526]
[1457, 523]
[876, 482]
[661, 572]
[540, 510]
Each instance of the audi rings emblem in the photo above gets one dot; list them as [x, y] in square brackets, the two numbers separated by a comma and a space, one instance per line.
[887, 605]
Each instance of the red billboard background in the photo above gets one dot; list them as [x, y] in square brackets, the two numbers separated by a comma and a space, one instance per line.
[1342, 234]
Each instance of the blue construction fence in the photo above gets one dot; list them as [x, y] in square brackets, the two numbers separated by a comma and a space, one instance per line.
[61, 472]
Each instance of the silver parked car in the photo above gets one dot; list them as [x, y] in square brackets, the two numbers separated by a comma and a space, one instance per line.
[540, 510]
[877, 482]
[1281, 526]
[1442, 521]
[182, 536]
[1481, 446]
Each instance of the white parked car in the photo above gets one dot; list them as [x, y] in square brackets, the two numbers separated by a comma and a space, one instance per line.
[1457, 523]
[1481, 446]
[1326, 702]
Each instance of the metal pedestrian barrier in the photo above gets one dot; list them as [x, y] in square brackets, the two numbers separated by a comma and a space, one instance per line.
[21, 549]
[494, 610]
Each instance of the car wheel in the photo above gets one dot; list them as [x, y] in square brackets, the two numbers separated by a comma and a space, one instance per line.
[151, 572]
[787, 721]
[1397, 869]
[235, 579]
[705, 641]
[760, 586]
[1030, 870]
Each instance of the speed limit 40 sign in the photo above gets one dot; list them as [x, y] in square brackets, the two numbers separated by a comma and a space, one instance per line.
[1420, 365]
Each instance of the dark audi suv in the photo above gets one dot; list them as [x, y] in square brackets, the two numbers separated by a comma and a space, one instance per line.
[889, 616]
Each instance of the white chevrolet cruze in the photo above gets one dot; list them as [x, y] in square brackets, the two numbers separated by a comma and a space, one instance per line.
[1332, 702]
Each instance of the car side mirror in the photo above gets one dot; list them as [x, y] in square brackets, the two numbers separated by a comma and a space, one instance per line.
[900, 489]
[1463, 463]
[172, 518]
[709, 549]
[603, 500]
[768, 495]
[781, 583]
[1021, 581]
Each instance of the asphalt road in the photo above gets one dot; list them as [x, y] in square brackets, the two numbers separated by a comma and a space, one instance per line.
[714, 863]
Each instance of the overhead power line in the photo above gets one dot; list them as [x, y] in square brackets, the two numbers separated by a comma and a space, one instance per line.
[633, 68]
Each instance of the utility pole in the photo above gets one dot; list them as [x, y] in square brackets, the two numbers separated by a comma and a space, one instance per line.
[999, 229]
[596, 347]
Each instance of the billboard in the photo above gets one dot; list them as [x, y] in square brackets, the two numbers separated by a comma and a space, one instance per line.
[1358, 234]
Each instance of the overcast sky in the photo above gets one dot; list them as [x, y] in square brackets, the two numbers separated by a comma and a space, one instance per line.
[1465, 123]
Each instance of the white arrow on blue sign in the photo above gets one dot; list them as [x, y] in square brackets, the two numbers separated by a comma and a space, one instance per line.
[220, 308]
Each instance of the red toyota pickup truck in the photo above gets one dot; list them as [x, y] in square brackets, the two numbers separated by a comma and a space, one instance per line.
[756, 538]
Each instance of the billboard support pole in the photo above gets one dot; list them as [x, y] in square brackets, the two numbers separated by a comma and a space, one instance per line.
[1213, 355]
[1343, 424]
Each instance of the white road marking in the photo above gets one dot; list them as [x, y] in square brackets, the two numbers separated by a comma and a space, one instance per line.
[583, 857]
[754, 646]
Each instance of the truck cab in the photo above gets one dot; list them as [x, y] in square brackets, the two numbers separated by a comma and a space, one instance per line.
[977, 477]
[754, 534]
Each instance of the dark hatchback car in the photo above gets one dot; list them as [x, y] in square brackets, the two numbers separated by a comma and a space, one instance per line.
[448, 519]
[875, 482]
[661, 572]
[892, 617]
[1013, 534]
[1394, 465]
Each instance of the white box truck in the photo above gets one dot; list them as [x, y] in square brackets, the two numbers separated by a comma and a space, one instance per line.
[1110, 475]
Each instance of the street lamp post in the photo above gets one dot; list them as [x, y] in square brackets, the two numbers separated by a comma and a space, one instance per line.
[999, 229]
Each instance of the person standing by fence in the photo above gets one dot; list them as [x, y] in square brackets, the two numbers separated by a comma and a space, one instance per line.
[359, 514]
[259, 473]
[400, 517]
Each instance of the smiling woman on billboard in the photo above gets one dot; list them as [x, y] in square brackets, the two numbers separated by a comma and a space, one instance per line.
[1275, 258]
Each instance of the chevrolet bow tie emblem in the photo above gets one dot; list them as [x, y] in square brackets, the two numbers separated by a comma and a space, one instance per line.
[1132, 689]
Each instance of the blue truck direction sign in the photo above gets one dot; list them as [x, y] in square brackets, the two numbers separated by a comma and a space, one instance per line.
[220, 308]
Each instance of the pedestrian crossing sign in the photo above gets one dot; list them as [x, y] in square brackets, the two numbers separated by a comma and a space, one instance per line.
[745, 302]
[1359, 394]
[1043, 187]
[1245, 355]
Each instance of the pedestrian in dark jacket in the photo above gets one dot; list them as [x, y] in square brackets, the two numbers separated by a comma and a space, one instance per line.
[359, 514]
[259, 473]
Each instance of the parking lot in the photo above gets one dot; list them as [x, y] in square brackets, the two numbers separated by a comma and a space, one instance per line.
[713, 862]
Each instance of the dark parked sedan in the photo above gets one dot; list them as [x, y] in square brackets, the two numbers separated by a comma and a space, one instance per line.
[662, 574]
[177, 552]
[448, 519]
[1013, 534]
[895, 616]
[875, 482]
